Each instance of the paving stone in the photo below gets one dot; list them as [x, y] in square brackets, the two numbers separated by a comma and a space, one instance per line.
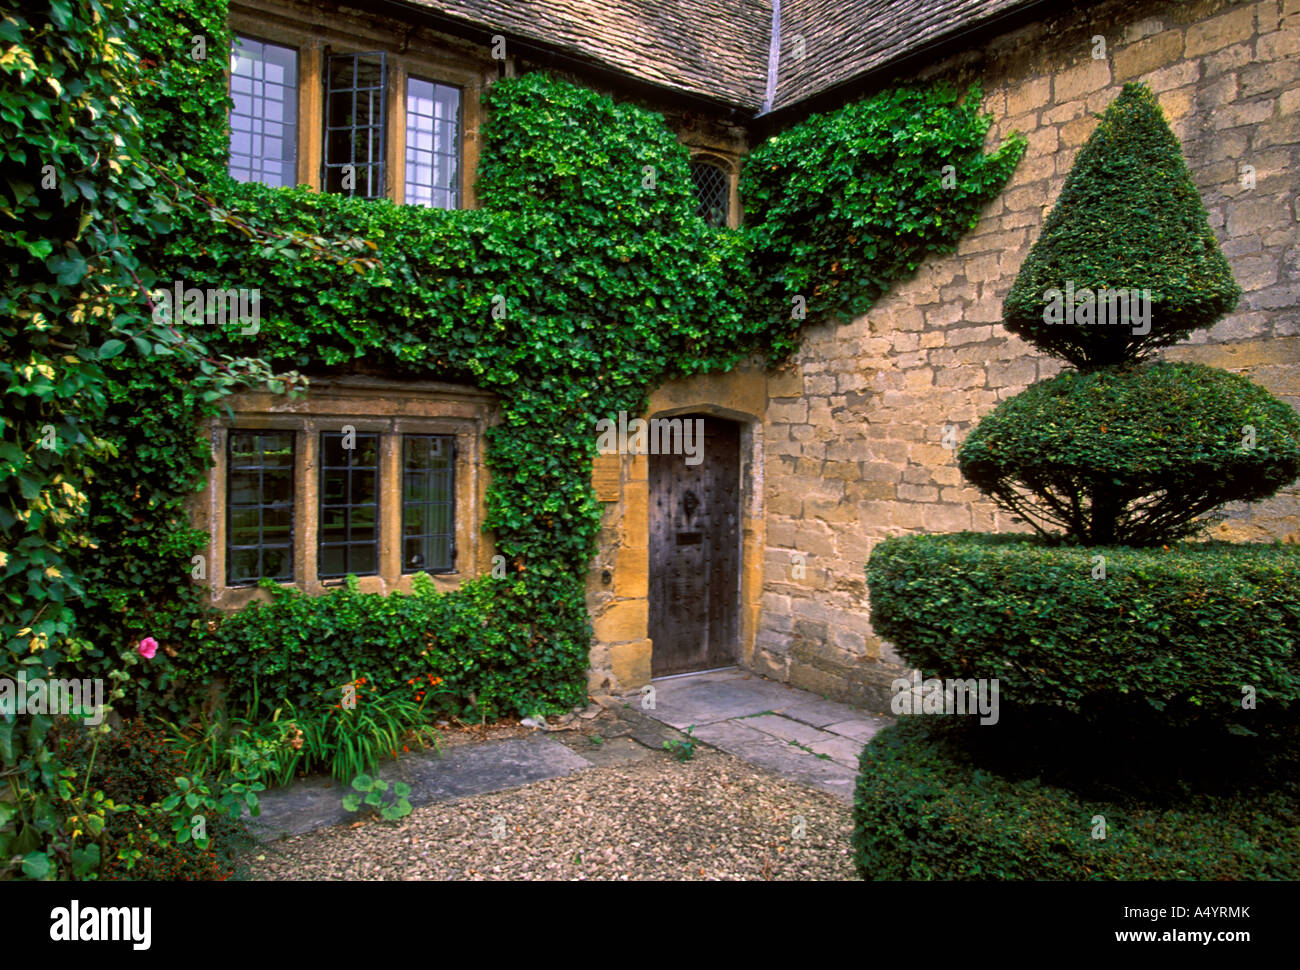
[844, 751]
[470, 769]
[785, 759]
[785, 729]
[682, 703]
[815, 710]
[859, 729]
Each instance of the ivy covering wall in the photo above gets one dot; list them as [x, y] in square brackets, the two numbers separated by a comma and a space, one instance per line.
[586, 234]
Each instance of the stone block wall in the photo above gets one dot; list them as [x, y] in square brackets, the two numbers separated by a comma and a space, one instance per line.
[853, 437]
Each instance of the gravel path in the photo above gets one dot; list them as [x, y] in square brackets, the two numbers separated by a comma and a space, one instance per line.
[713, 817]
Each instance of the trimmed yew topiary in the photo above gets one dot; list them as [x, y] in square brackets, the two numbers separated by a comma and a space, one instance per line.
[1128, 222]
[1178, 661]
[1127, 451]
[1133, 455]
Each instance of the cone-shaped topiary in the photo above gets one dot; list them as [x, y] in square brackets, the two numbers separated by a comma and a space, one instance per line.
[1130, 224]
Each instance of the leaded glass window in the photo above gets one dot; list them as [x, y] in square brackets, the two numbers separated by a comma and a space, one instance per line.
[712, 193]
[259, 506]
[348, 533]
[432, 143]
[428, 503]
[264, 119]
[355, 109]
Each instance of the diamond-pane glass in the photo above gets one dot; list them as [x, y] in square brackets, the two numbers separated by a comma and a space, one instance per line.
[712, 192]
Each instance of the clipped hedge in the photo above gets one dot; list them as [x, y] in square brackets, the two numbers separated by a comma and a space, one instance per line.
[1133, 455]
[924, 808]
[1180, 628]
[484, 643]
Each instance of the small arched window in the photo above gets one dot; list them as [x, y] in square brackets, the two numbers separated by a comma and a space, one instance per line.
[712, 193]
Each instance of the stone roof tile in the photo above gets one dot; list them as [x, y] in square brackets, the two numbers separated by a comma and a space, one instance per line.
[719, 48]
[715, 48]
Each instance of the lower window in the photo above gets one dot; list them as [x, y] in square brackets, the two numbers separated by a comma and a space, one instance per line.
[428, 503]
[259, 494]
[381, 504]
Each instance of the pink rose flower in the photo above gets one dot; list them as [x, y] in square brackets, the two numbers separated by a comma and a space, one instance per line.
[148, 647]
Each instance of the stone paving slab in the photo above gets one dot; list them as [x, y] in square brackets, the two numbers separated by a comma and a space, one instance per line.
[786, 729]
[862, 730]
[681, 702]
[470, 769]
[844, 751]
[817, 711]
[779, 756]
[789, 731]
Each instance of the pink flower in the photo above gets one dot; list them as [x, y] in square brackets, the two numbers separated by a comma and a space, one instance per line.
[148, 647]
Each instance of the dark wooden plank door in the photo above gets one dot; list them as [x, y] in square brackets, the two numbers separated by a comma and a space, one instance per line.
[695, 555]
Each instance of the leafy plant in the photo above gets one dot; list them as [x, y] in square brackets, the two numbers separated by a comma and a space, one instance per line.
[195, 800]
[370, 791]
[683, 749]
[1133, 456]
[352, 736]
[1041, 620]
[930, 805]
[1129, 217]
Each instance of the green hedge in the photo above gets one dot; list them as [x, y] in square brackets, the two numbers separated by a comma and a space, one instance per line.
[1182, 628]
[925, 809]
[488, 645]
[1150, 449]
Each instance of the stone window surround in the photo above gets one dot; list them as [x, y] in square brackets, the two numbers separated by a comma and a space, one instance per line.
[391, 408]
[408, 53]
[730, 164]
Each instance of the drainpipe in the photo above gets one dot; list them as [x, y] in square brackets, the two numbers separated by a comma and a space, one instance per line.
[773, 57]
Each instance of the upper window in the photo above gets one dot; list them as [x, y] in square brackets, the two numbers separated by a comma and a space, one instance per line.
[354, 124]
[359, 137]
[712, 193]
[264, 119]
[432, 143]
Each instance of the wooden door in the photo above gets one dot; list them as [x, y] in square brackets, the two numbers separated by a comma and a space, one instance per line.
[695, 554]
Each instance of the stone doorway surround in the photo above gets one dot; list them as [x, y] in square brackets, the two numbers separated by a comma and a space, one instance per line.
[618, 579]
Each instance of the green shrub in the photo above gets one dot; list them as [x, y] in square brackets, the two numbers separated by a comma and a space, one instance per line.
[925, 807]
[1179, 630]
[136, 766]
[1133, 455]
[298, 649]
[1128, 217]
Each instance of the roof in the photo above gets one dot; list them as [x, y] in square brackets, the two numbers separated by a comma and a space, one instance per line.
[720, 48]
[845, 38]
[714, 48]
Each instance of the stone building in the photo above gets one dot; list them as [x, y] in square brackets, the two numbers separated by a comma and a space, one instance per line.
[756, 557]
